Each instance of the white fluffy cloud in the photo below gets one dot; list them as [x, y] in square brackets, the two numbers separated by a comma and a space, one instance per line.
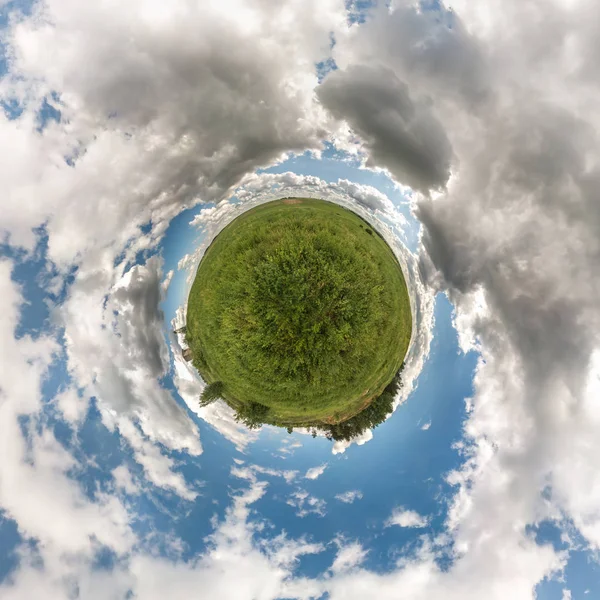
[513, 241]
[406, 518]
[349, 497]
[306, 504]
[117, 352]
[170, 121]
[315, 472]
[35, 488]
[348, 557]
[250, 472]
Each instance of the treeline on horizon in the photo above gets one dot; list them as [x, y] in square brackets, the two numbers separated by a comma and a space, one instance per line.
[254, 415]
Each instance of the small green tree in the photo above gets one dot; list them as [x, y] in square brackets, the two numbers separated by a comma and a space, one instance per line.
[369, 418]
[252, 415]
[213, 391]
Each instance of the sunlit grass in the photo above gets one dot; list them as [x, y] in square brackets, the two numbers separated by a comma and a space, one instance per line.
[300, 307]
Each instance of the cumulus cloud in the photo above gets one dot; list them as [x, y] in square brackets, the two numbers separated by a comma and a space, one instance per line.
[72, 406]
[398, 133]
[341, 446]
[406, 518]
[305, 504]
[184, 120]
[349, 497]
[116, 351]
[348, 557]
[315, 472]
[36, 489]
[125, 481]
[167, 281]
[172, 124]
[158, 468]
[261, 569]
[267, 185]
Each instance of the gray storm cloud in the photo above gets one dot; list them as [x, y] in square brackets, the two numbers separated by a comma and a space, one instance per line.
[399, 134]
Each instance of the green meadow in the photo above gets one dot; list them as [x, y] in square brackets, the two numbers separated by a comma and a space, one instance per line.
[299, 314]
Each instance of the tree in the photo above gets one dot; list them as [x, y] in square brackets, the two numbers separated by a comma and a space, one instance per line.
[252, 414]
[369, 418]
[213, 391]
[290, 429]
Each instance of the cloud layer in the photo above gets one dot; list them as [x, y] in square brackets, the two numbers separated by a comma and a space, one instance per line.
[488, 112]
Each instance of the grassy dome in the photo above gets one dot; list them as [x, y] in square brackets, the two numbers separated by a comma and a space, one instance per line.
[301, 307]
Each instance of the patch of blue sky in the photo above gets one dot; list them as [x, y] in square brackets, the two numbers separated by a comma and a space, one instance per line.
[98, 450]
[48, 112]
[209, 475]
[11, 107]
[549, 532]
[140, 257]
[105, 559]
[45, 113]
[7, 10]
[146, 228]
[581, 574]
[324, 67]
[10, 539]
[445, 15]
[31, 274]
[552, 589]
[431, 5]
[181, 238]
[358, 10]
[156, 514]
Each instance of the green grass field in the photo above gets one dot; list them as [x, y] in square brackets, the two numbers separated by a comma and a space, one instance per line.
[299, 305]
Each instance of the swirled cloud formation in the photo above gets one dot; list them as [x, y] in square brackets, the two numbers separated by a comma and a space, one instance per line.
[468, 135]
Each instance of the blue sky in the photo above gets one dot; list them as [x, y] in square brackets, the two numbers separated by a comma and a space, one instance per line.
[406, 464]
[130, 137]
